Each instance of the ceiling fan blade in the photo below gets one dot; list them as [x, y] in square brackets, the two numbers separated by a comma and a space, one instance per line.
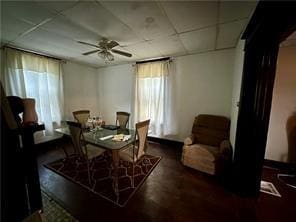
[121, 53]
[91, 52]
[89, 44]
[112, 44]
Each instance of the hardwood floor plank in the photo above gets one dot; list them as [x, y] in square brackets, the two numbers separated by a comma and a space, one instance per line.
[171, 193]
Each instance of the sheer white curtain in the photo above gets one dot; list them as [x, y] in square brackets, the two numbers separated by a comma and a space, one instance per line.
[31, 76]
[154, 97]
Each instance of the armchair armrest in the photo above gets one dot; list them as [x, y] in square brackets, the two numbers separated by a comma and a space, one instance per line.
[225, 148]
[189, 140]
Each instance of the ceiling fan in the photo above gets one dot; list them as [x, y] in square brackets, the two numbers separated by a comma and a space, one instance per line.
[105, 49]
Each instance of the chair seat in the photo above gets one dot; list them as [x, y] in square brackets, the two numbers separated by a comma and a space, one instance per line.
[201, 157]
[127, 154]
[93, 151]
[201, 151]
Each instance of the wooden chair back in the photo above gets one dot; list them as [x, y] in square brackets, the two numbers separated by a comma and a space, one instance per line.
[81, 116]
[142, 133]
[122, 119]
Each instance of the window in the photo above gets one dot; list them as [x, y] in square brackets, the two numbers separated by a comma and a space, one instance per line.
[31, 76]
[152, 97]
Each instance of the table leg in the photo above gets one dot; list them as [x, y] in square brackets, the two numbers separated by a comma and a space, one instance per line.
[64, 148]
[115, 160]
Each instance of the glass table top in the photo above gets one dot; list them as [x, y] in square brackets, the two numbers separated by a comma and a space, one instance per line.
[93, 137]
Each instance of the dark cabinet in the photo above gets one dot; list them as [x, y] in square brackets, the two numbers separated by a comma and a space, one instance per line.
[20, 190]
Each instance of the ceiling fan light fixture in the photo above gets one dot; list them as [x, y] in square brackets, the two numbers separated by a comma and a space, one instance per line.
[105, 49]
[107, 56]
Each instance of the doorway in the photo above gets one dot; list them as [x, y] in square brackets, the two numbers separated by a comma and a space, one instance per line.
[271, 24]
[281, 138]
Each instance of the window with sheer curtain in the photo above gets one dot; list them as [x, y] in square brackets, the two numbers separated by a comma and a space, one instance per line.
[153, 97]
[31, 76]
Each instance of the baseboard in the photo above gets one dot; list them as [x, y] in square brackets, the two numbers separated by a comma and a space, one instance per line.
[46, 139]
[283, 166]
[167, 142]
[51, 144]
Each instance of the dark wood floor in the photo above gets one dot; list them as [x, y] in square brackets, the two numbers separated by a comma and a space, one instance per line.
[171, 193]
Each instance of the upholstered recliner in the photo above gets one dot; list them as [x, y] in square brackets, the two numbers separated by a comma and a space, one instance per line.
[208, 148]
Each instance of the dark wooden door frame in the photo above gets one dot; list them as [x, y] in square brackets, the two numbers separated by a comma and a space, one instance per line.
[270, 24]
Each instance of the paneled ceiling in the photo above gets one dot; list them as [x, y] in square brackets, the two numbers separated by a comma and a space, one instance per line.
[146, 29]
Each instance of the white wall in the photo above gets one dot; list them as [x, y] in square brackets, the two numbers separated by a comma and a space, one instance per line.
[203, 85]
[1, 65]
[80, 89]
[237, 79]
[283, 106]
[116, 89]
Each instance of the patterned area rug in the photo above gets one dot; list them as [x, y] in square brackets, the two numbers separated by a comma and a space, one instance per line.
[101, 172]
[52, 211]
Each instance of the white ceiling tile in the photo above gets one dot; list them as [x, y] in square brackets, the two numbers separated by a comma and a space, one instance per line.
[145, 18]
[143, 50]
[128, 23]
[50, 42]
[169, 46]
[65, 27]
[97, 19]
[11, 27]
[187, 16]
[51, 51]
[229, 33]
[7, 36]
[199, 40]
[234, 10]
[94, 60]
[25, 10]
[11, 23]
[56, 6]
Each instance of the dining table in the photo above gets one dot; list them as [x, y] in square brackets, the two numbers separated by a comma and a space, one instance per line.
[103, 138]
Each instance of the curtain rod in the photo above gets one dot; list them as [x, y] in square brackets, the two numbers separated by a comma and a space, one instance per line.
[154, 60]
[32, 52]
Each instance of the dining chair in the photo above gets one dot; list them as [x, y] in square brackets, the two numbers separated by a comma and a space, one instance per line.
[83, 150]
[81, 116]
[136, 151]
[122, 119]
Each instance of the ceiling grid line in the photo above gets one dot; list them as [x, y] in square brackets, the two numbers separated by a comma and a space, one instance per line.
[211, 26]
[58, 12]
[217, 25]
[30, 29]
[145, 29]
[34, 27]
[130, 28]
[97, 2]
[165, 14]
[65, 36]
[239, 36]
[148, 41]
[247, 18]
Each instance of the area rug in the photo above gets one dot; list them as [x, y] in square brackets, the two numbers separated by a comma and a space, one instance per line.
[101, 172]
[52, 211]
